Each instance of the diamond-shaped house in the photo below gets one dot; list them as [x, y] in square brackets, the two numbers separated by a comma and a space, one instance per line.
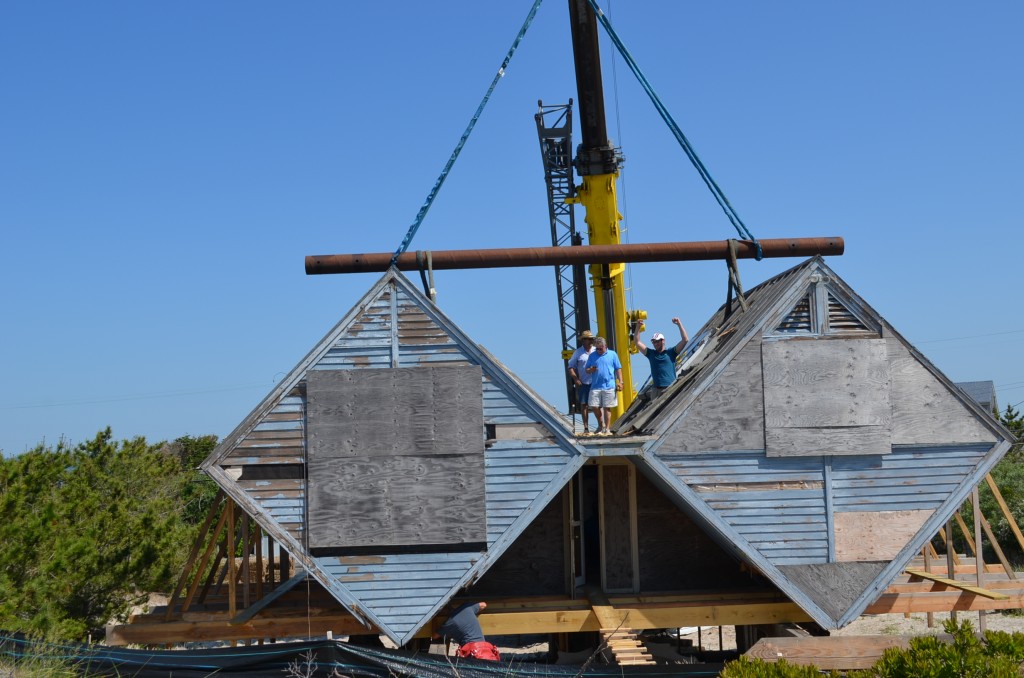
[809, 438]
[397, 461]
[805, 454]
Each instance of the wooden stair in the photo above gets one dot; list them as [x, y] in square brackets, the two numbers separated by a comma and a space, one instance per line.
[626, 647]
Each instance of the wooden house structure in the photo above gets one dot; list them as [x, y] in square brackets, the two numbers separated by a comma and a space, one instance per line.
[804, 456]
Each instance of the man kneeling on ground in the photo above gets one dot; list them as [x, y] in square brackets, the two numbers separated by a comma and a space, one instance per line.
[464, 628]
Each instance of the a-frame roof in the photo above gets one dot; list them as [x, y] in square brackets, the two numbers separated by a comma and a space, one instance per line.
[263, 463]
[831, 512]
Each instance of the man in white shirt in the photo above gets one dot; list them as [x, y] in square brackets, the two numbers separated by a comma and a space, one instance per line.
[580, 376]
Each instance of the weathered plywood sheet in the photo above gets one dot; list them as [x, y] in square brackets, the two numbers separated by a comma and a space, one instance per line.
[826, 396]
[396, 458]
[416, 411]
[875, 535]
[924, 410]
[833, 440]
[833, 587]
[729, 416]
[616, 529]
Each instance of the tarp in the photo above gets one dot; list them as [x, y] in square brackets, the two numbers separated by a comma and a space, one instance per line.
[316, 658]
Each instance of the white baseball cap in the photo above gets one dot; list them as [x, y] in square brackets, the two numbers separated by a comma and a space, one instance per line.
[658, 336]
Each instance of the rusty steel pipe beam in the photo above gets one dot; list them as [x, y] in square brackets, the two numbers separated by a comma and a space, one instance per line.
[575, 254]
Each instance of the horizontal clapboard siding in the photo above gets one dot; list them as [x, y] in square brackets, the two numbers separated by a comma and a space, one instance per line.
[907, 479]
[400, 589]
[276, 439]
[283, 500]
[778, 505]
[516, 472]
[500, 409]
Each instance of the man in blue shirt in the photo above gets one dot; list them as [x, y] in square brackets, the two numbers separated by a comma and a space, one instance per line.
[663, 360]
[605, 372]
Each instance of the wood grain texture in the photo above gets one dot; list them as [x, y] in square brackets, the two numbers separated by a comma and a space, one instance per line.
[396, 457]
[616, 535]
[834, 587]
[826, 397]
[826, 382]
[836, 440]
[414, 411]
[729, 415]
[875, 535]
[924, 409]
[398, 500]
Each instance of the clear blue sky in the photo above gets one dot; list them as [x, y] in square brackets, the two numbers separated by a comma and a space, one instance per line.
[165, 167]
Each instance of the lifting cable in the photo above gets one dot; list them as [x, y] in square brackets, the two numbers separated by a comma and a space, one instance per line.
[723, 202]
[465, 135]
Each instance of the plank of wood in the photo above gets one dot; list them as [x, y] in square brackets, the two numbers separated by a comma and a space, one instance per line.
[616, 533]
[953, 583]
[832, 440]
[1005, 509]
[840, 653]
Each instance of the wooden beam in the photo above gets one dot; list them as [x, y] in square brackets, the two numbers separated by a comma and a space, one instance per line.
[833, 653]
[953, 583]
[1005, 509]
[251, 611]
[204, 561]
[182, 631]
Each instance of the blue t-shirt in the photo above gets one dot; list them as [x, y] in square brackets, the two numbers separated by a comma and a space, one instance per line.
[663, 366]
[606, 364]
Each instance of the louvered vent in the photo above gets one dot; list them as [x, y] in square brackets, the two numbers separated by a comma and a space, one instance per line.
[799, 319]
[840, 319]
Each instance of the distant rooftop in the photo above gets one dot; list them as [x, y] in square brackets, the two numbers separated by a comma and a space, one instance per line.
[982, 392]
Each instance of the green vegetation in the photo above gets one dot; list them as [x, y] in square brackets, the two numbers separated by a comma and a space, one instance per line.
[89, 530]
[996, 655]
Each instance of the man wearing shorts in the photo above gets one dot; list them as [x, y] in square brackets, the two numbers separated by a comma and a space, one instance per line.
[580, 376]
[605, 372]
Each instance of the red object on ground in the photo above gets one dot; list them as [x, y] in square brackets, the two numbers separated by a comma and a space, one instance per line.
[480, 650]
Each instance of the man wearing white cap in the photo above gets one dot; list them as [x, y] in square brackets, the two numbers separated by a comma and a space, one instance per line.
[663, 360]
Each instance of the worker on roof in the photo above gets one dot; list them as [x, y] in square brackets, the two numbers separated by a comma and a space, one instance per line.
[580, 376]
[662, 360]
[464, 628]
[605, 372]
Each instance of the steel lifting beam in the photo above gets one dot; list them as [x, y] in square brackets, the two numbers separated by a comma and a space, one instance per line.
[319, 264]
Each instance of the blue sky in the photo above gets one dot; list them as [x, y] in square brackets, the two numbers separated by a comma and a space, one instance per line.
[165, 168]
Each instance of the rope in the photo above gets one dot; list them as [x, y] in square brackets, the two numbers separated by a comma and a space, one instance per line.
[717, 192]
[425, 262]
[407, 240]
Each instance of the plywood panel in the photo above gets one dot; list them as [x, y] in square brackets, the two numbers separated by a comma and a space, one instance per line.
[397, 500]
[836, 440]
[396, 458]
[924, 410]
[729, 415]
[414, 411]
[616, 530]
[826, 396]
[826, 382]
[834, 587]
[875, 535]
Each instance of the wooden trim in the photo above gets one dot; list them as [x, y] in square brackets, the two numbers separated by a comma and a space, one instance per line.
[205, 560]
[204, 530]
[232, 591]
[830, 520]
[996, 547]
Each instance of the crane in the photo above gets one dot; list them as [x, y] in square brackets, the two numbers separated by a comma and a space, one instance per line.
[598, 162]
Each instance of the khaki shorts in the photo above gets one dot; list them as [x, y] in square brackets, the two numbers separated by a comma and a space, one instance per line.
[605, 397]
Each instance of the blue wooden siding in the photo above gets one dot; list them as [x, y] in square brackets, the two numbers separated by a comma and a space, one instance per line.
[399, 589]
[912, 478]
[516, 472]
[778, 504]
